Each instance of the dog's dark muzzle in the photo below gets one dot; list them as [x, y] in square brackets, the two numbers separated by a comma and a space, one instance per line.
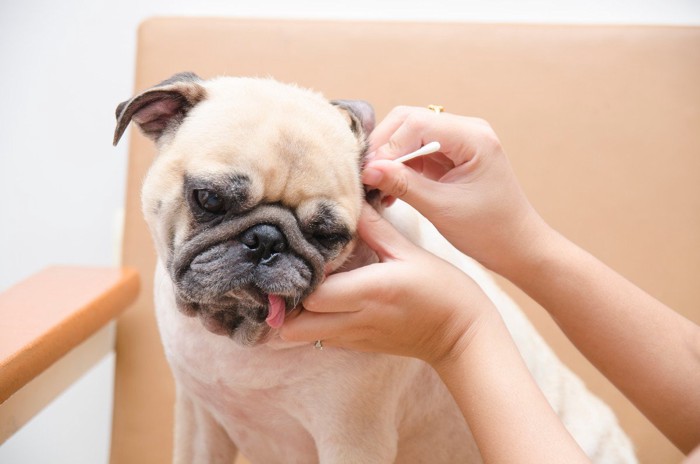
[258, 251]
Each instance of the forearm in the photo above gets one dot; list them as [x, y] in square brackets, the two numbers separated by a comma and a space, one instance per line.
[651, 353]
[509, 416]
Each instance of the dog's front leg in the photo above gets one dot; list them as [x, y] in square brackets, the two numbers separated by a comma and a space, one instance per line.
[198, 437]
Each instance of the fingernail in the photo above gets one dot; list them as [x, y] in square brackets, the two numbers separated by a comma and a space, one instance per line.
[372, 177]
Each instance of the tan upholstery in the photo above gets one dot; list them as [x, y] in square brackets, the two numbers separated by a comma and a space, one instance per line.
[602, 125]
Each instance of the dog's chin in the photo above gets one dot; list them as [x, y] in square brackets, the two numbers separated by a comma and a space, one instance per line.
[240, 316]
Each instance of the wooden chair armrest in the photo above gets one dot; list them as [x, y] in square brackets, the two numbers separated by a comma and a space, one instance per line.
[45, 316]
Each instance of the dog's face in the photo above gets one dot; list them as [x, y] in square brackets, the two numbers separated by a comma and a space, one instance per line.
[254, 196]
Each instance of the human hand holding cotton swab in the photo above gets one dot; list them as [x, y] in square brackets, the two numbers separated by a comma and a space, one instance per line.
[426, 149]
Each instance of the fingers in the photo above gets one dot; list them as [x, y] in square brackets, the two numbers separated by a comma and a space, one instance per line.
[406, 129]
[334, 310]
[465, 144]
[383, 132]
[345, 292]
[380, 235]
[400, 181]
[401, 132]
[308, 326]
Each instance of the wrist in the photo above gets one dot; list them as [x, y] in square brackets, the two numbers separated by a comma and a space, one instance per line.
[501, 401]
[529, 246]
[467, 339]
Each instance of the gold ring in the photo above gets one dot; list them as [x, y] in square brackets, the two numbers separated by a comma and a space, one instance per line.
[436, 108]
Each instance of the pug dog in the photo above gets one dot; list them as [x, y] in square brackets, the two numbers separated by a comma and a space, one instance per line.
[252, 201]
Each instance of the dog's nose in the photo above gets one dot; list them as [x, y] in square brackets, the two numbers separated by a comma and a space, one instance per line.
[264, 241]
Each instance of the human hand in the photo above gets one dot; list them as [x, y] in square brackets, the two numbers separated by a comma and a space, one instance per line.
[411, 303]
[467, 190]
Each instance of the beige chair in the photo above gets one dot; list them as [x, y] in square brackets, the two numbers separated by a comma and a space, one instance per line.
[602, 124]
[56, 325]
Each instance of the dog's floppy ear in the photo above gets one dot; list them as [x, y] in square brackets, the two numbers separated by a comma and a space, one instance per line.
[360, 114]
[361, 118]
[161, 107]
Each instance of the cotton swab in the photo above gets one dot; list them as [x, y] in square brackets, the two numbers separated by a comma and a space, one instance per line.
[426, 149]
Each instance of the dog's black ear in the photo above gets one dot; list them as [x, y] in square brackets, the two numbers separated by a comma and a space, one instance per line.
[162, 107]
[360, 114]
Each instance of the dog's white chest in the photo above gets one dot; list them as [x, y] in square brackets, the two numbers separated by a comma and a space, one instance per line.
[279, 400]
[259, 388]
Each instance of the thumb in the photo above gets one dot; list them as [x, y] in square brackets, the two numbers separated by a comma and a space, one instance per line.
[380, 235]
[400, 181]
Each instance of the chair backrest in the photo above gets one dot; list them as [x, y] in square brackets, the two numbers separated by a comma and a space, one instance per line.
[602, 125]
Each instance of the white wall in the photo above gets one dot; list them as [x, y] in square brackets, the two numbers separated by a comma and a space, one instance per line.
[65, 65]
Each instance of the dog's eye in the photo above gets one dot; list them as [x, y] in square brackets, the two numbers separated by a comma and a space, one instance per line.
[209, 201]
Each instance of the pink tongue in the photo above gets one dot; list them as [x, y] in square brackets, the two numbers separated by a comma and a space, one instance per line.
[275, 311]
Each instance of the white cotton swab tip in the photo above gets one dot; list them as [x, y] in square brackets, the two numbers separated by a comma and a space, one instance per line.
[426, 149]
